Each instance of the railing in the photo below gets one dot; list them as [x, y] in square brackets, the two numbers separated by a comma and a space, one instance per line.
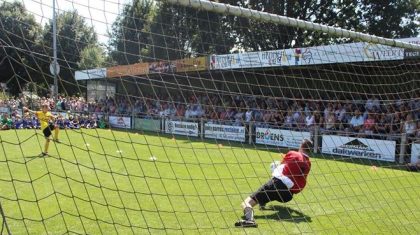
[246, 132]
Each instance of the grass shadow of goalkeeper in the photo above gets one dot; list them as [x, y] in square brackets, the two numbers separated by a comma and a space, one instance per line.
[284, 213]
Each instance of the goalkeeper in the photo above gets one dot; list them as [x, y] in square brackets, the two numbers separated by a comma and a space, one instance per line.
[46, 119]
[288, 178]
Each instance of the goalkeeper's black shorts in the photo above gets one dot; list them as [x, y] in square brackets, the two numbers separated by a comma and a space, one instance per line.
[47, 130]
[273, 190]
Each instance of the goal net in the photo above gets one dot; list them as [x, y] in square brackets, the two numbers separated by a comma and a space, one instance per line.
[169, 114]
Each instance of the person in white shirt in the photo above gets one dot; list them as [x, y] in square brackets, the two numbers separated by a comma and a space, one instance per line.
[356, 122]
[409, 126]
[310, 121]
[248, 115]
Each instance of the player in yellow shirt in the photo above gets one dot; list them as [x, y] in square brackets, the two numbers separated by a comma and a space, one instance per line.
[46, 118]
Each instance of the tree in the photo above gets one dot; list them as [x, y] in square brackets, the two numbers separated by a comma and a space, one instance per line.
[392, 19]
[19, 33]
[395, 19]
[130, 36]
[73, 37]
[92, 56]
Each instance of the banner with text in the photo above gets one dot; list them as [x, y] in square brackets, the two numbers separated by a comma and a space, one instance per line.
[162, 67]
[415, 153]
[181, 128]
[278, 137]
[257, 59]
[412, 54]
[146, 124]
[120, 122]
[342, 53]
[224, 132]
[128, 70]
[192, 64]
[383, 150]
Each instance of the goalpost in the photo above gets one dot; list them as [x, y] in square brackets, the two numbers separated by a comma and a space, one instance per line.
[176, 120]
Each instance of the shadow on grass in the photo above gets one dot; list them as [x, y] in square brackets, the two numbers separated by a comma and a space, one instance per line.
[284, 213]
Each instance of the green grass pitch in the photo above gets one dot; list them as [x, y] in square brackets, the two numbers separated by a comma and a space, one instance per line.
[101, 181]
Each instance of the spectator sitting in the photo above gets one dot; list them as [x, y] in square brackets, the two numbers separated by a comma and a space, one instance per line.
[409, 126]
[18, 123]
[340, 115]
[230, 114]
[300, 121]
[75, 123]
[189, 113]
[395, 126]
[382, 127]
[266, 118]
[288, 120]
[102, 123]
[330, 122]
[180, 110]
[277, 119]
[258, 116]
[60, 121]
[369, 125]
[372, 103]
[248, 115]
[356, 122]
[239, 117]
[6, 122]
[27, 122]
[310, 121]
[92, 123]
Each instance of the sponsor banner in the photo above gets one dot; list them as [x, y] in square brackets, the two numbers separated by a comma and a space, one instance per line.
[120, 122]
[415, 153]
[90, 74]
[342, 53]
[412, 54]
[287, 57]
[181, 128]
[192, 64]
[162, 67]
[146, 124]
[128, 70]
[224, 132]
[383, 150]
[278, 137]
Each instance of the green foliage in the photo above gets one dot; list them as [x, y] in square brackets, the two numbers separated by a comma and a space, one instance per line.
[18, 33]
[92, 56]
[130, 36]
[73, 36]
[394, 19]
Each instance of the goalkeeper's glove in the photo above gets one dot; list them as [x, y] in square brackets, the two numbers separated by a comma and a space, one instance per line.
[274, 165]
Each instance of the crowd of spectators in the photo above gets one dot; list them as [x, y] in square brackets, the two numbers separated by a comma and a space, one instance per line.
[364, 118]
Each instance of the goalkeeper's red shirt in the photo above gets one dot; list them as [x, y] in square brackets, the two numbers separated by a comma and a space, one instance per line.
[296, 167]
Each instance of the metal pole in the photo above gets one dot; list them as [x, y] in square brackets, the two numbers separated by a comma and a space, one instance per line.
[227, 9]
[402, 147]
[55, 92]
[316, 139]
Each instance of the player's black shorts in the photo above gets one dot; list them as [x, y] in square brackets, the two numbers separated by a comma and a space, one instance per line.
[47, 130]
[273, 190]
